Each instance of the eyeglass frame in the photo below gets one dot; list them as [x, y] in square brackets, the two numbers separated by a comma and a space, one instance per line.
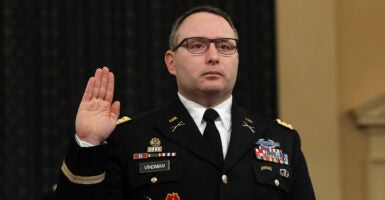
[185, 40]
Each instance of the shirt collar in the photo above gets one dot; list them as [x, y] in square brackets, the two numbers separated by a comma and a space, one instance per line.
[196, 111]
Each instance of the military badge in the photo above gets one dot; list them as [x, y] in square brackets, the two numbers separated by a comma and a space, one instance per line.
[155, 145]
[267, 150]
[284, 173]
[267, 143]
[172, 196]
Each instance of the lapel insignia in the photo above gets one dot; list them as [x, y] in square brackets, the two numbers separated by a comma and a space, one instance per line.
[287, 125]
[247, 122]
[267, 150]
[172, 119]
[155, 145]
[173, 128]
[172, 196]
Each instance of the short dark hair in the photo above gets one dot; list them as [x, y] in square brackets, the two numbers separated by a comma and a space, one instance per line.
[209, 9]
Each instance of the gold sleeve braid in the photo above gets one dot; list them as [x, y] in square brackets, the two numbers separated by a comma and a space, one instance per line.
[83, 180]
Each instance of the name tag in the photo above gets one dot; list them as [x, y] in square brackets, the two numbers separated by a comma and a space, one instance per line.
[158, 166]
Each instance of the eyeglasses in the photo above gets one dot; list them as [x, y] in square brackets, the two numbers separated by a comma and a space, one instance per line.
[200, 45]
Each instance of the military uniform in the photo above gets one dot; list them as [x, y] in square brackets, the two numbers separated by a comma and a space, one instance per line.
[162, 155]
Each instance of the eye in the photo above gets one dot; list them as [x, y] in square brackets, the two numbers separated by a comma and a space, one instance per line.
[224, 46]
[196, 45]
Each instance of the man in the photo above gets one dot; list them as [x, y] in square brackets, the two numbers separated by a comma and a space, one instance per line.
[178, 152]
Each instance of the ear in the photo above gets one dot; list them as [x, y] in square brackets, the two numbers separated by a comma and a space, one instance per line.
[169, 59]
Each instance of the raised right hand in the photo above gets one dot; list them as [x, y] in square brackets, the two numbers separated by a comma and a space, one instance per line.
[97, 115]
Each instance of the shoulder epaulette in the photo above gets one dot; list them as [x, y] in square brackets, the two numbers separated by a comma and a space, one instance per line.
[122, 120]
[280, 122]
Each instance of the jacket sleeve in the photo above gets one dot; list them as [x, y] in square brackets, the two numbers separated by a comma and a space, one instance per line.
[302, 187]
[82, 173]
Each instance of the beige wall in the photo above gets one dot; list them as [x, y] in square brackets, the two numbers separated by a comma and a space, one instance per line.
[331, 59]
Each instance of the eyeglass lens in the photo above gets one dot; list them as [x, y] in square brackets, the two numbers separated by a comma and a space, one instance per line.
[201, 45]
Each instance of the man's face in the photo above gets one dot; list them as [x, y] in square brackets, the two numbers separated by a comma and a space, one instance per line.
[206, 75]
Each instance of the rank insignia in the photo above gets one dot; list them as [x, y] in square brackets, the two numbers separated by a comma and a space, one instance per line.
[271, 155]
[287, 125]
[123, 120]
[172, 196]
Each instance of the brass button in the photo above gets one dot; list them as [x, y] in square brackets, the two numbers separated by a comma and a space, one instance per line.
[276, 182]
[225, 180]
[154, 179]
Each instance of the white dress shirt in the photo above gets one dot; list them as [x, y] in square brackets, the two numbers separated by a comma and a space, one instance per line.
[223, 122]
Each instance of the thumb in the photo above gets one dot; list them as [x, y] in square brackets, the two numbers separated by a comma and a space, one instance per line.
[115, 110]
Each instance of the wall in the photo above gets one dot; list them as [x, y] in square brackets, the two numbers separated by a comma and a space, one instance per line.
[331, 59]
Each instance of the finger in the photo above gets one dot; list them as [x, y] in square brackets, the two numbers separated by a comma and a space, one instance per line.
[103, 83]
[115, 110]
[110, 87]
[89, 89]
[98, 77]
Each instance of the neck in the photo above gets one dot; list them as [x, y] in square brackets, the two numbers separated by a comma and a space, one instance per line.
[207, 101]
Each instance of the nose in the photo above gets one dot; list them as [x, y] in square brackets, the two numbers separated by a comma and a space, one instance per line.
[212, 54]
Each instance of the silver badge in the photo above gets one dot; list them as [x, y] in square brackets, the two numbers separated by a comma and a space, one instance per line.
[284, 173]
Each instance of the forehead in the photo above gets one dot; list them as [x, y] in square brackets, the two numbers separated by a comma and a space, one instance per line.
[205, 24]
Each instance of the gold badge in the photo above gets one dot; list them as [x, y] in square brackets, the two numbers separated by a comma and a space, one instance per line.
[155, 145]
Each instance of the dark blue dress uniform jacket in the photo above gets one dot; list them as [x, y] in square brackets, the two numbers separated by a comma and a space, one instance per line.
[110, 171]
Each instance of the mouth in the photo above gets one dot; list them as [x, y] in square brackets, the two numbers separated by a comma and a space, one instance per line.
[212, 74]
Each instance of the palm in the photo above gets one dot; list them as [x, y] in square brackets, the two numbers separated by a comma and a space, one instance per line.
[97, 115]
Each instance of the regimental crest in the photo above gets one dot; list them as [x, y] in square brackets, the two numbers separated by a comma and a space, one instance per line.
[172, 196]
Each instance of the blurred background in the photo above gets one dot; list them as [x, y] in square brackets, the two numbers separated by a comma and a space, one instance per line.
[318, 64]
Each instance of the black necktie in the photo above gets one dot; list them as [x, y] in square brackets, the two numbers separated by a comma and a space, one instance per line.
[211, 133]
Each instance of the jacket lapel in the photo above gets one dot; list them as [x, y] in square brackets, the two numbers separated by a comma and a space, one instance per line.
[245, 131]
[178, 126]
